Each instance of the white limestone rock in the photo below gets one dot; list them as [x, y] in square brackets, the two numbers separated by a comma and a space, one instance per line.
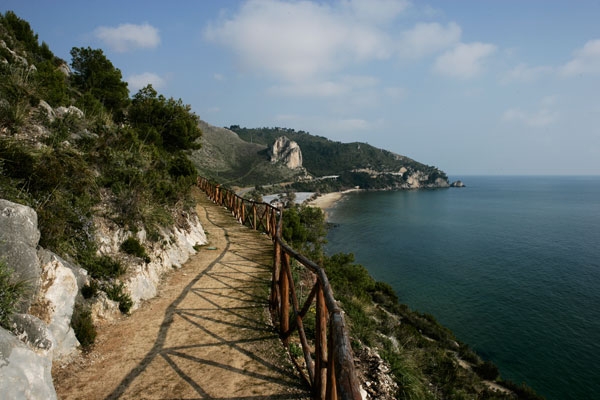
[19, 236]
[33, 331]
[24, 374]
[63, 111]
[142, 279]
[143, 284]
[56, 300]
[286, 151]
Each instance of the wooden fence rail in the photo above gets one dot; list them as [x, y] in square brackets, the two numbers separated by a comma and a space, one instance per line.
[331, 373]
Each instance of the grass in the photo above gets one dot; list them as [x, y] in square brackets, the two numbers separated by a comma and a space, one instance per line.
[11, 293]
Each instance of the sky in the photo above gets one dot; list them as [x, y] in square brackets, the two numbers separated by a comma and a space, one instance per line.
[498, 87]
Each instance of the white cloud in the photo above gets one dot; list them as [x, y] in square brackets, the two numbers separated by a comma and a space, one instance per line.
[137, 82]
[586, 61]
[218, 77]
[525, 73]
[378, 11]
[127, 37]
[341, 87]
[464, 61]
[544, 116]
[302, 40]
[428, 38]
[315, 89]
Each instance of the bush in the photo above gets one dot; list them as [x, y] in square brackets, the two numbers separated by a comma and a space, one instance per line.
[133, 247]
[11, 292]
[89, 291]
[103, 267]
[487, 370]
[84, 328]
[116, 292]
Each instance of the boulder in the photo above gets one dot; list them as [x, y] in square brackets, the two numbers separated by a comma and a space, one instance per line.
[24, 374]
[61, 283]
[457, 184]
[32, 330]
[286, 151]
[63, 111]
[19, 236]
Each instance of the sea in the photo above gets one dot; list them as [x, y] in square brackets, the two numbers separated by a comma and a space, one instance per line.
[510, 264]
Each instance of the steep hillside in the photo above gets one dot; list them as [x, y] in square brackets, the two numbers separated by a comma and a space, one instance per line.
[241, 157]
[225, 157]
[105, 174]
[356, 164]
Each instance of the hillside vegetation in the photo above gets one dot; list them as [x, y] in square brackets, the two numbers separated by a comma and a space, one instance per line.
[356, 164]
[232, 161]
[74, 146]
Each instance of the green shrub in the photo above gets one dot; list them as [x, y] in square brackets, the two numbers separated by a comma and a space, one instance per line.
[133, 247]
[116, 292]
[84, 328]
[91, 290]
[296, 350]
[487, 370]
[103, 267]
[11, 292]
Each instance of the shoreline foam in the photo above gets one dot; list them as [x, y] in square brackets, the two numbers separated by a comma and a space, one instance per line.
[327, 201]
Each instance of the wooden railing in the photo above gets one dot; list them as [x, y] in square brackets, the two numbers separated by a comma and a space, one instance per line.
[331, 373]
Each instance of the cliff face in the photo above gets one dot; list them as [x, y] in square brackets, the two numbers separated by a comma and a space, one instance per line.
[286, 151]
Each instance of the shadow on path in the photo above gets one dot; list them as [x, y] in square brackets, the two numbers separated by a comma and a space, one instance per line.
[214, 340]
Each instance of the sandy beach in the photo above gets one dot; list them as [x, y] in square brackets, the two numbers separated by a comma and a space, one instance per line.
[328, 200]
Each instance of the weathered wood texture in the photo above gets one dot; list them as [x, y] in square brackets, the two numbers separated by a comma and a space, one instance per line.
[331, 374]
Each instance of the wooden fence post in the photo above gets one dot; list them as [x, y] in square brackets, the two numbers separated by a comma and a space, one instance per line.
[284, 291]
[320, 345]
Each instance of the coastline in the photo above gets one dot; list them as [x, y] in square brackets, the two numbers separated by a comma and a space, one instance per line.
[327, 201]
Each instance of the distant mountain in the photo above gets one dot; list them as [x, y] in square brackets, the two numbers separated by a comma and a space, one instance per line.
[241, 156]
[232, 161]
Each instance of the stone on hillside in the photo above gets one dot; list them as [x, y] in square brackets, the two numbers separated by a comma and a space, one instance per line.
[47, 109]
[61, 283]
[19, 236]
[24, 374]
[63, 111]
[104, 309]
[32, 330]
[286, 151]
[65, 69]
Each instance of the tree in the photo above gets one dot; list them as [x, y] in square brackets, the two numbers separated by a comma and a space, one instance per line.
[166, 123]
[93, 73]
[304, 229]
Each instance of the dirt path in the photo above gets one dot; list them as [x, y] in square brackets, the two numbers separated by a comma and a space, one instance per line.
[205, 336]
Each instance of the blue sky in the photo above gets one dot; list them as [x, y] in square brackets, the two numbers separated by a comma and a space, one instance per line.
[472, 87]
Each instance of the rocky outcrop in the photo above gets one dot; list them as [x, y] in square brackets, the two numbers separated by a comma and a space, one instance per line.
[61, 283]
[19, 236]
[287, 152]
[142, 279]
[457, 184]
[45, 333]
[24, 373]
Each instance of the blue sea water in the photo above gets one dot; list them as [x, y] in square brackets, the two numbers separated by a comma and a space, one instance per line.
[510, 264]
